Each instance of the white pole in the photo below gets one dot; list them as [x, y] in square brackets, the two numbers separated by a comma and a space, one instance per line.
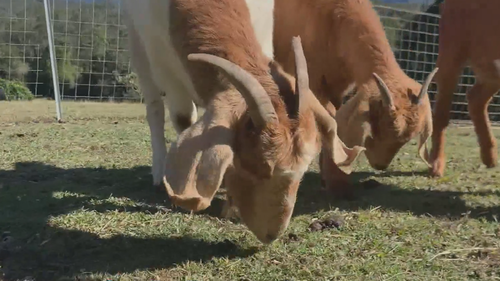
[53, 61]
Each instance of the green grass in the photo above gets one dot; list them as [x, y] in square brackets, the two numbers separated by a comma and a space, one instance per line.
[78, 201]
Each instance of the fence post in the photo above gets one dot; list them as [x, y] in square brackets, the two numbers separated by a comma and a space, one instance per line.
[53, 61]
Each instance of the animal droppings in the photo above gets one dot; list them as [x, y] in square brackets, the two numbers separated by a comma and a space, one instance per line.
[315, 226]
[293, 237]
[331, 222]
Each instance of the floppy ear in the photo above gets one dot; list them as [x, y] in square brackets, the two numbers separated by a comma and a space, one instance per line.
[343, 156]
[196, 163]
[350, 128]
[422, 140]
[353, 126]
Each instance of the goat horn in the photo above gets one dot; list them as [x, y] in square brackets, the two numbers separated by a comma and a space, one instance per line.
[384, 91]
[301, 74]
[425, 87]
[258, 101]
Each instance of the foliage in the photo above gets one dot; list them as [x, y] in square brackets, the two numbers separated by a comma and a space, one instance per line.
[131, 82]
[90, 44]
[15, 90]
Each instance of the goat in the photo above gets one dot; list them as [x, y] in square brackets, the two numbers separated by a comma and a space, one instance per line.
[347, 49]
[262, 127]
[466, 31]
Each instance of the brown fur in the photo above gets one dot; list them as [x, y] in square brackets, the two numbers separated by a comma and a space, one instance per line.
[467, 35]
[261, 167]
[210, 30]
[345, 44]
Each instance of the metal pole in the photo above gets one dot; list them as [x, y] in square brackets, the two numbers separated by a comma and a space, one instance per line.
[53, 61]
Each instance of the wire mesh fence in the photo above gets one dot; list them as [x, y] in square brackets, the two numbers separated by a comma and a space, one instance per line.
[90, 44]
[414, 37]
[94, 63]
[20, 47]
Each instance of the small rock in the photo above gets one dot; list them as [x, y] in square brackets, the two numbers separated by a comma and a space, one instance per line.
[275, 262]
[293, 237]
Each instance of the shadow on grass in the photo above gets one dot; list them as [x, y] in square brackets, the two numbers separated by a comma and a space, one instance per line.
[390, 197]
[33, 192]
[68, 253]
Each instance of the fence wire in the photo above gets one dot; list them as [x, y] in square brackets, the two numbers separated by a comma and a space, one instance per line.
[94, 63]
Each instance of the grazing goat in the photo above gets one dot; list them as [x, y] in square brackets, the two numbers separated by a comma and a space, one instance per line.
[466, 36]
[261, 128]
[347, 49]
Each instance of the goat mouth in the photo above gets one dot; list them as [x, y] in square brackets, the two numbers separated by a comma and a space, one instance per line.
[379, 167]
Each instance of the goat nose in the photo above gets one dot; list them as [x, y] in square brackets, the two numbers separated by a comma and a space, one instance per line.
[380, 167]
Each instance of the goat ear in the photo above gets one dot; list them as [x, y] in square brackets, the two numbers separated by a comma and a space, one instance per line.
[353, 122]
[197, 162]
[342, 155]
[422, 140]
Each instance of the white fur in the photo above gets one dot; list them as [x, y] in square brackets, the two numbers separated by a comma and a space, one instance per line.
[262, 17]
[160, 70]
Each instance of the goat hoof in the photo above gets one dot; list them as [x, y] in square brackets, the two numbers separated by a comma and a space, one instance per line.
[436, 172]
[437, 167]
[490, 161]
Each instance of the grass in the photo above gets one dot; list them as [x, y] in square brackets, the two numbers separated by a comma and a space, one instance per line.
[78, 202]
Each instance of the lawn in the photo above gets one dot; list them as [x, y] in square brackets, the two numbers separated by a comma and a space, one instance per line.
[77, 203]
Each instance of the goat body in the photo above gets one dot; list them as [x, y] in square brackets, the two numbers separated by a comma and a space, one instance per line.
[261, 129]
[162, 70]
[466, 36]
[347, 49]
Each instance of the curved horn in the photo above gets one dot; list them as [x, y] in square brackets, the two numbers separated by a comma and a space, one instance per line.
[425, 87]
[258, 101]
[384, 91]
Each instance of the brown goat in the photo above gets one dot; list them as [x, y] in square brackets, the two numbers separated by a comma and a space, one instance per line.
[261, 129]
[347, 49]
[466, 36]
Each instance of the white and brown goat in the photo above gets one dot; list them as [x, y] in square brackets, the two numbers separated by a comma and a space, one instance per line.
[261, 128]
[347, 48]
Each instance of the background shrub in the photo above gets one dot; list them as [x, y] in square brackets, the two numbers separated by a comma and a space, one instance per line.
[15, 90]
